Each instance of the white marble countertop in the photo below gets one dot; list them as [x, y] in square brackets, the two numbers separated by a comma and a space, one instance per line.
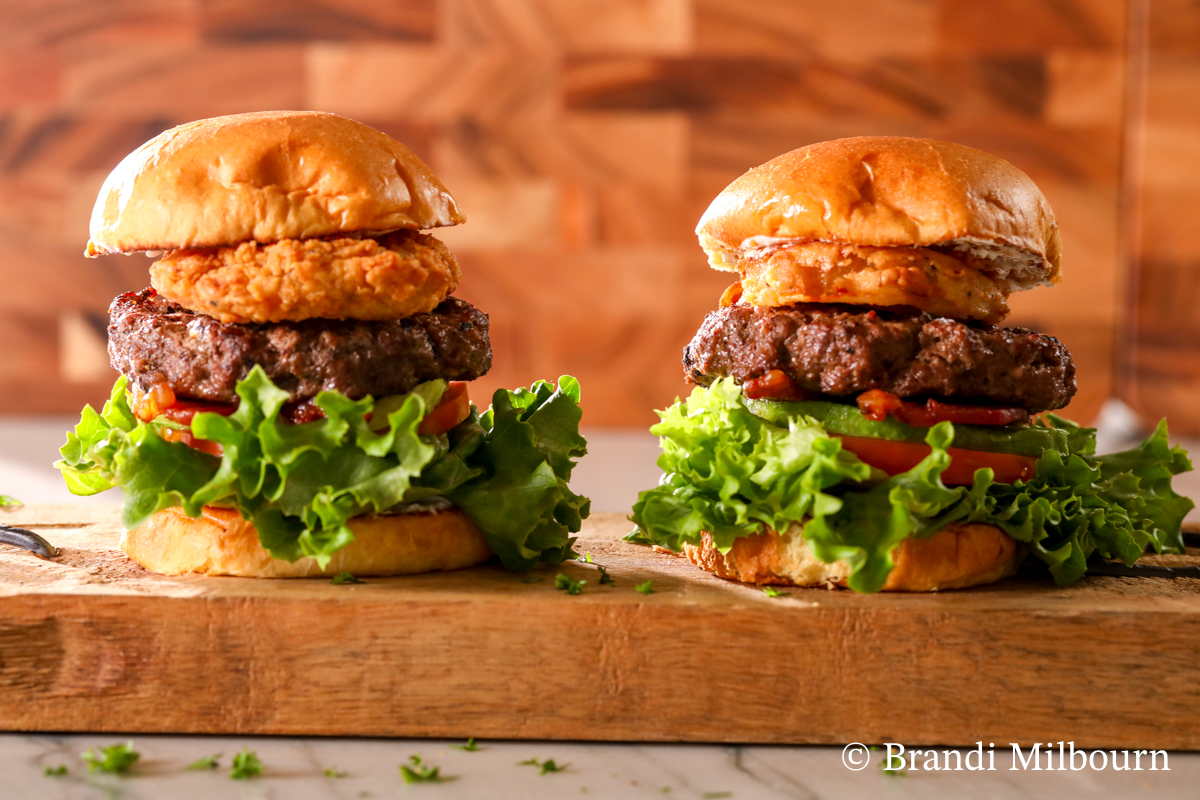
[619, 464]
[294, 769]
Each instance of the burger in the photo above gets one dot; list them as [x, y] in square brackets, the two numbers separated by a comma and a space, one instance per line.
[860, 419]
[293, 398]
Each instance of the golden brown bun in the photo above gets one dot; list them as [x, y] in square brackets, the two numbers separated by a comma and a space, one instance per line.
[955, 557]
[265, 177]
[890, 191]
[220, 542]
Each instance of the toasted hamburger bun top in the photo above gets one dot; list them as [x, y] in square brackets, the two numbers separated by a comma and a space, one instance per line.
[889, 191]
[265, 177]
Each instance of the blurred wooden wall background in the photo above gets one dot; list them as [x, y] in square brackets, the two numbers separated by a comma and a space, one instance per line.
[584, 138]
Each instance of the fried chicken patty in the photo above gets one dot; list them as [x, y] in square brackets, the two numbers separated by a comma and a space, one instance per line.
[402, 273]
[152, 340]
[958, 285]
[844, 350]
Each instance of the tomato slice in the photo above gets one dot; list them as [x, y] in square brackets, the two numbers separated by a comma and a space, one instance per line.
[732, 295]
[146, 405]
[454, 407]
[298, 412]
[186, 437]
[877, 405]
[896, 457]
[184, 411]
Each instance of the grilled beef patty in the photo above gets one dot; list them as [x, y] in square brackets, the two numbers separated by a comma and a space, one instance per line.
[152, 340]
[844, 350]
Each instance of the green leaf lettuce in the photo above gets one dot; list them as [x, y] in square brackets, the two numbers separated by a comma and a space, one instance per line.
[730, 472]
[508, 468]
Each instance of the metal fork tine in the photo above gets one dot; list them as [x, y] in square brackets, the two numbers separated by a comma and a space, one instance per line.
[28, 540]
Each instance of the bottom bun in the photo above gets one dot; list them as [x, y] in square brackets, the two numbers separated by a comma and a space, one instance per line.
[220, 542]
[953, 558]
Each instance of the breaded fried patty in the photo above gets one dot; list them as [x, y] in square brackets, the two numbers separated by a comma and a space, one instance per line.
[822, 272]
[152, 340]
[402, 273]
[844, 350]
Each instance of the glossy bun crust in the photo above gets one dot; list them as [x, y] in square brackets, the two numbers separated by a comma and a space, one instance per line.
[265, 177]
[956, 557]
[220, 542]
[890, 191]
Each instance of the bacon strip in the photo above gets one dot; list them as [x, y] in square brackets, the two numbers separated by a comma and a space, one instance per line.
[774, 385]
[878, 405]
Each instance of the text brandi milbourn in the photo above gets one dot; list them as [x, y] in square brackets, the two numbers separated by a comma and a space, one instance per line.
[1051, 756]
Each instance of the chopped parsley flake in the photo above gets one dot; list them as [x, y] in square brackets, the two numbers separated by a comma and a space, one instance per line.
[605, 578]
[585, 558]
[346, 577]
[568, 584]
[334, 772]
[646, 588]
[245, 765]
[471, 746]
[544, 767]
[773, 592]
[208, 762]
[5, 500]
[416, 771]
[55, 772]
[116, 758]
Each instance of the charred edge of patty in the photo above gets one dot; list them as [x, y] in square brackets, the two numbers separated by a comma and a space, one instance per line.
[152, 340]
[844, 350]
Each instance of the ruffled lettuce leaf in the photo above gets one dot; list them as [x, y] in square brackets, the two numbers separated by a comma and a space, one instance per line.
[300, 484]
[731, 472]
[526, 460]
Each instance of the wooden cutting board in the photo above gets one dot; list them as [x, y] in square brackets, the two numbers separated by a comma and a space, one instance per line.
[91, 642]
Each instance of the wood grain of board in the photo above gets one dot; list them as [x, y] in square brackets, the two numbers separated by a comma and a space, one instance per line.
[89, 641]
